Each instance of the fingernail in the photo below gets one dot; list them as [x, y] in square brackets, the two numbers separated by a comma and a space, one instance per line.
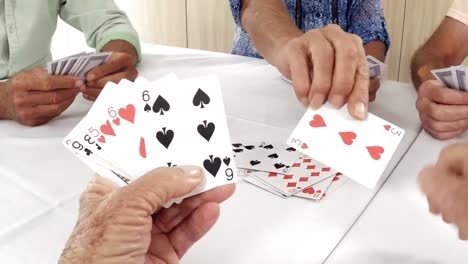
[317, 101]
[79, 83]
[305, 102]
[193, 172]
[337, 101]
[360, 110]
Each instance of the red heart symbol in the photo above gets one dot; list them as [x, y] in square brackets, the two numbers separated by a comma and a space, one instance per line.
[102, 139]
[304, 146]
[107, 129]
[116, 121]
[317, 121]
[348, 137]
[309, 190]
[376, 152]
[128, 113]
[387, 127]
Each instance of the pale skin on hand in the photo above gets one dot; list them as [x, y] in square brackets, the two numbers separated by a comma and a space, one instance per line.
[34, 97]
[443, 111]
[446, 187]
[129, 225]
[324, 64]
[121, 65]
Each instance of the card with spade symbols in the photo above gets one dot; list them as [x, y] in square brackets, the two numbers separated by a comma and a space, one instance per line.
[304, 173]
[360, 150]
[265, 156]
[256, 182]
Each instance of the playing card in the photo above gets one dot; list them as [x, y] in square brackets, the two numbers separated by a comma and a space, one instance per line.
[265, 156]
[445, 76]
[339, 180]
[254, 181]
[360, 150]
[91, 62]
[304, 172]
[460, 76]
[316, 192]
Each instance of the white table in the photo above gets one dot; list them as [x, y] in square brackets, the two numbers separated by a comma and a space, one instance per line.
[41, 181]
[397, 226]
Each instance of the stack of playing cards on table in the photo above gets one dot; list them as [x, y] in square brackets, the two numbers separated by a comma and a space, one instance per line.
[376, 68]
[133, 128]
[455, 77]
[78, 64]
[284, 171]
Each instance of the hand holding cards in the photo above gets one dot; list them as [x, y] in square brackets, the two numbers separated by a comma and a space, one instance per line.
[78, 65]
[360, 150]
[135, 127]
[455, 77]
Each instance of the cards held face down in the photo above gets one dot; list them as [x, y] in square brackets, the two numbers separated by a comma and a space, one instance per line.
[133, 128]
[455, 77]
[78, 65]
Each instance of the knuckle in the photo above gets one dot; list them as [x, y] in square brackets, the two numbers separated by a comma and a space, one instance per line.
[356, 39]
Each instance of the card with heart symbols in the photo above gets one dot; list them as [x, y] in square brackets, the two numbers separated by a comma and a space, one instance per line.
[360, 150]
[139, 126]
[265, 156]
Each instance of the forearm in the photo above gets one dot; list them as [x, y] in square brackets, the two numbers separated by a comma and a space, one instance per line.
[269, 26]
[423, 62]
[121, 46]
[5, 105]
[376, 49]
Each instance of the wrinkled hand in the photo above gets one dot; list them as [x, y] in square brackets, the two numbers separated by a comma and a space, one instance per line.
[327, 64]
[128, 225]
[446, 187]
[34, 97]
[119, 66]
[443, 111]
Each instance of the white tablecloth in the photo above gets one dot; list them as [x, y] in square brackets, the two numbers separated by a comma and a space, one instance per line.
[41, 181]
[397, 226]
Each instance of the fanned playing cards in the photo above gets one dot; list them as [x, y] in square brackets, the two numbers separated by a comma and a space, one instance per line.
[133, 128]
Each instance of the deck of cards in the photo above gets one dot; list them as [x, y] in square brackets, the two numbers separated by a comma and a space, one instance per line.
[455, 77]
[135, 127]
[78, 64]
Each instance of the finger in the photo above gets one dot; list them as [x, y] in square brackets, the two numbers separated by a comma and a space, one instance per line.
[442, 135]
[454, 158]
[300, 73]
[346, 62]
[433, 208]
[359, 98]
[89, 98]
[160, 186]
[437, 92]
[442, 112]
[194, 228]
[437, 183]
[93, 92]
[322, 58]
[51, 111]
[34, 98]
[54, 82]
[444, 126]
[116, 63]
[166, 220]
[96, 190]
[129, 74]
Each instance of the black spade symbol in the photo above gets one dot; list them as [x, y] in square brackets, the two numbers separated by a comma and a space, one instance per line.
[279, 165]
[237, 145]
[170, 165]
[273, 156]
[255, 162]
[201, 99]
[212, 165]
[250, 147]
[227, 161]
[165, 137]
[147, 108]
[291, 149]
[238, 150]
[206, 130]
[268, 146]
[161, 105]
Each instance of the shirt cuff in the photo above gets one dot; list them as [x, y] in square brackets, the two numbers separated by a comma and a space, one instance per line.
[377, 36]
[129, 37]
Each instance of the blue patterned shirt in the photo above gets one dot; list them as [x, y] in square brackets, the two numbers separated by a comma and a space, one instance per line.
[361, 17]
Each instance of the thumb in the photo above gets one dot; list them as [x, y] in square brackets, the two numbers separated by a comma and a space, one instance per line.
[161, 185]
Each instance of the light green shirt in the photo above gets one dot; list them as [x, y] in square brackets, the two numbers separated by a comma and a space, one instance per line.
[27, 26]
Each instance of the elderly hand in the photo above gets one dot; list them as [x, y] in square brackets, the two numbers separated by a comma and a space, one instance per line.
[446, 187]
[327, 64]
[128, 225]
